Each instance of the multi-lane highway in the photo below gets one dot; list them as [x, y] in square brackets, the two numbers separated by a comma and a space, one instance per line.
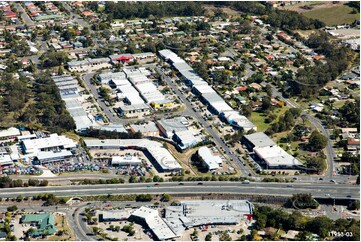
[320, 190]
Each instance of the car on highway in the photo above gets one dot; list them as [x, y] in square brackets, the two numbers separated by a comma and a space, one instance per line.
[246, 182]
[333, 181]
[289, 185]
[181, 184]
[200, 183]
[156, 184]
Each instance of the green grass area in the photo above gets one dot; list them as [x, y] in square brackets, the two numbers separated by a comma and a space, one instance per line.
[257, 118]
[334, 15]
[339, 104]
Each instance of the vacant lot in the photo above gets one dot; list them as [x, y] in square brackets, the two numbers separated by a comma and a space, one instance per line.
[333, 16]
[327, 12]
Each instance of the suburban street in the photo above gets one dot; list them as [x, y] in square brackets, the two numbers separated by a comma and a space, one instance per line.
[276, 189]
[27, 20]
[76, 17]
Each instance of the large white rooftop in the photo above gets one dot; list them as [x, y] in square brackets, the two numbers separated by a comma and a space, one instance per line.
[54, 140]
[9, 132]
[161, 155]
[275, 156]
[197, 212]
[151, 216]
[259, 140]
[212, 161]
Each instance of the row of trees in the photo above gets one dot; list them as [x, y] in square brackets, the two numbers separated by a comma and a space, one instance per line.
[49, 109]
[104, 134]
[126, 10]
[6, 182]
[277, 18]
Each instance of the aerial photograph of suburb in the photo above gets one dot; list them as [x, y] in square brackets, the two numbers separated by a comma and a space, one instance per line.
[147, 120]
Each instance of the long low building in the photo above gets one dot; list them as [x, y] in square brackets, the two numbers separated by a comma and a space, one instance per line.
[159, 156]
[127, 160]
[89, 64]
[51, 156]
[206, 93]
[257, 140]
[9, 134]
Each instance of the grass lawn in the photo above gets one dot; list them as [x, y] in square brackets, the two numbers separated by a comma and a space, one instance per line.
[339, 104]
[333, 16]
[72, 136]
[257, 118]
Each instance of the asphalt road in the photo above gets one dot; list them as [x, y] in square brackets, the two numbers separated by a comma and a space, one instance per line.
[113, 117]
[276, 189]
[26, 19]
[76, 17]
[217, 140]
[330, 153]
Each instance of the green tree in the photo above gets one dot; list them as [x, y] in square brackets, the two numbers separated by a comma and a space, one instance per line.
[321, 226]
[317, 141]
[166, 197]
[208, 237]
[225, 236]
[12, 208]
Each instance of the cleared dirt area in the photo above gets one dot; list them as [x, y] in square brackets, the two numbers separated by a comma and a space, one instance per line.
[313, 5]
[210, 10]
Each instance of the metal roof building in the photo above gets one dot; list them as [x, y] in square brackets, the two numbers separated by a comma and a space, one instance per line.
[145, 128]
[106, 77]
[131, 94]
[276, 157]
[45, 223]
[81, 118]
[53, 142]
[234, 118]
[9, 133]
[197, 213]
[169, 126]
[185, 139]
[113, 127]
[160, 155]
[212, 162]
[114, 215]
[155, 223]
[50, 156]
[258, 140]
[126, 160]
